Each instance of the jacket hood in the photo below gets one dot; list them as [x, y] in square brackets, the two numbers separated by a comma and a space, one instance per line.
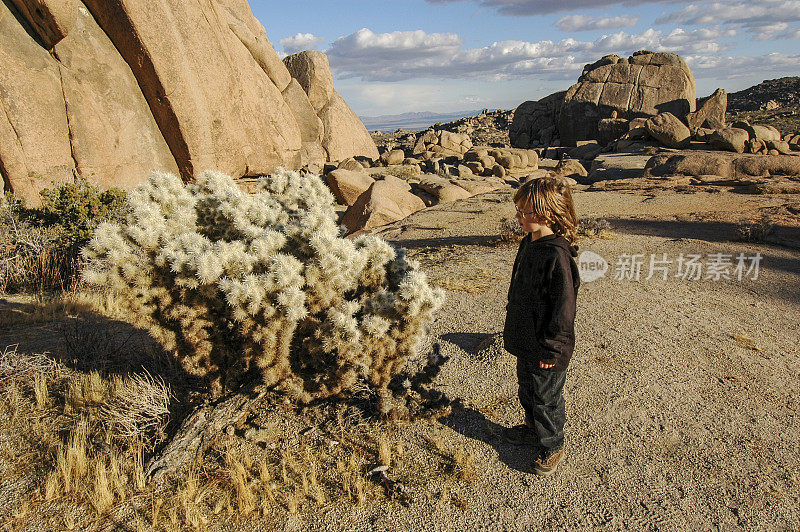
[559, 241]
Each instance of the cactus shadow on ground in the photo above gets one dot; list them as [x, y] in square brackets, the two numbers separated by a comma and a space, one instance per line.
[475, 425]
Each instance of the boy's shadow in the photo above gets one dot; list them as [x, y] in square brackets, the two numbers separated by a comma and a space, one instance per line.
[473, 424]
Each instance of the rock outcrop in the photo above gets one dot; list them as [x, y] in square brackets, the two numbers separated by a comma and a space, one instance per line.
[610, 92]
[114, 89]
[727, 165]
[645, 84]
[343, 133]
[534, 123]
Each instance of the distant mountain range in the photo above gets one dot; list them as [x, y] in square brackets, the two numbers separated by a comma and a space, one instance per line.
[412, 121]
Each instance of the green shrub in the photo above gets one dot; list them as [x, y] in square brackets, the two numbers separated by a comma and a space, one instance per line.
[235, 282]
[76, 209]
[40, 247]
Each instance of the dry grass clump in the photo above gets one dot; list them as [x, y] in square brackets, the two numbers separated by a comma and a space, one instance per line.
[139, 407]
[595, 228]
[91, 468]
[32, 258]
[510, 230]
[755, 230]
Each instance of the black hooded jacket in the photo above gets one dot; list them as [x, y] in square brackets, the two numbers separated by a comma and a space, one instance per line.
[540, 315]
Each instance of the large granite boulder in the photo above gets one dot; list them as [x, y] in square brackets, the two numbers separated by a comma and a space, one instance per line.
[385, 201]
[113, 89]
[34, 131]
[218, 109]
[723, 164]
[344, 134]
[729, 138]
[668, 130]
[348, 185]
[534, 122]
[642, 85]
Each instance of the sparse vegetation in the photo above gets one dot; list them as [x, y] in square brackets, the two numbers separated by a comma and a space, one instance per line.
[755, 230]
[40, 247]
[594, 228]
[510, 230]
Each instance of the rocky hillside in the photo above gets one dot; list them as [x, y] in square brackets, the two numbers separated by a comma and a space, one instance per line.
[773, 101]
[489, 128]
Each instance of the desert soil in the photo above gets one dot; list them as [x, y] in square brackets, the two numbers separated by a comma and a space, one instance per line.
[682, 395]
[675, 419]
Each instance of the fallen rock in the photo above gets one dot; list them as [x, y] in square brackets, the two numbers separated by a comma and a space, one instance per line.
[384, 202]
[722, 164]
[351, 164]
[348, 185]
[443, 189]
[569, 168]
[729, 138]
[711, 112]
[668, 130]
[393, 157]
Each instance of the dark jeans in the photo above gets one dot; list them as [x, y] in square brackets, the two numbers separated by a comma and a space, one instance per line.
[540, 392]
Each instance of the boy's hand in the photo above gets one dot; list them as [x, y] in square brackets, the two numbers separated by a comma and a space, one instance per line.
[545, 366]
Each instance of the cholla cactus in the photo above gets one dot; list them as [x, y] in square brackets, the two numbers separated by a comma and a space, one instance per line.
[233, 282]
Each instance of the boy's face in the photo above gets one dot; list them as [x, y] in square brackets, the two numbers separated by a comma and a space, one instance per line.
[528, 221]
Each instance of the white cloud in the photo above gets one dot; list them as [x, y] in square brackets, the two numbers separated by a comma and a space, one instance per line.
[766, 19]
[300, 42]
[415, 54]
[588, 23]
[544, 7]
[744, 66]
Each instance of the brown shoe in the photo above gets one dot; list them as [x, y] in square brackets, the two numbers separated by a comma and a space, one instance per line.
[518, 435]
[547, 462]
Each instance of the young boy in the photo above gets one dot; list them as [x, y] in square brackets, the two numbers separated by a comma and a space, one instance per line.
[540, 315]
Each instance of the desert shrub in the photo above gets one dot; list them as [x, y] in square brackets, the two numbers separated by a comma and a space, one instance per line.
[40, 247]
[31, 257]
[593, 227]
[510, 230]
[234, 282]
[755, 230]
[76, 209]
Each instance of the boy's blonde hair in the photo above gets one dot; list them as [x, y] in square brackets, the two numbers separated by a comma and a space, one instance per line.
[551, 198]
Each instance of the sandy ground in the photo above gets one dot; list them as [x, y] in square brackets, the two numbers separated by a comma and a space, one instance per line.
[673, 422]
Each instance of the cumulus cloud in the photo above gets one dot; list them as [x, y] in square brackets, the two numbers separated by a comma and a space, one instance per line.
[767, 19]
[743, 67]
[416, 54]
[588, 23]
[300, 42]
[544, 7]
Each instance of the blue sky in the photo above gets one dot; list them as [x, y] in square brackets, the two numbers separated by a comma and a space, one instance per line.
[453, 55]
